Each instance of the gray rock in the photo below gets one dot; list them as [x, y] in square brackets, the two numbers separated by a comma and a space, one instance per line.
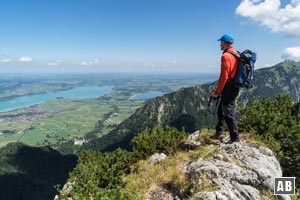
[284, 197]
[249, 170]
[193, 139]
[206, 195]
[245, 191]
[265, 166]
[67, 188]
[266, 151]
[208, 169]
[156, 158]
[234, 172]
[221, 196]
[264, 197]
[202, 166]
[226, 193]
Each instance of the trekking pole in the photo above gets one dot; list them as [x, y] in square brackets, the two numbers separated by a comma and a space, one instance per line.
[217, 102]
[208, 105]
[214, 111]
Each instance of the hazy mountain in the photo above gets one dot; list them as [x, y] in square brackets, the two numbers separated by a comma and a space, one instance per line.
[186, 107]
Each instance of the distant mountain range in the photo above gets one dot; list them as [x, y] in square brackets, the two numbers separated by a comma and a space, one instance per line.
[187, 107]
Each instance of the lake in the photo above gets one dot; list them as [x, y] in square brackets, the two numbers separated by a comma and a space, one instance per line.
[75, 94]
[146, 95]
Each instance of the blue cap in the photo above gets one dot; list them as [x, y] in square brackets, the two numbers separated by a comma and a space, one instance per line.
[226, 38]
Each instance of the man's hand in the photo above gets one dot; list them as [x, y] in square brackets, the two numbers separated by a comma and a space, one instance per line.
[213, 94]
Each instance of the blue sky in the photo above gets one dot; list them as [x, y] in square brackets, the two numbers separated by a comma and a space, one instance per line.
[64, 36]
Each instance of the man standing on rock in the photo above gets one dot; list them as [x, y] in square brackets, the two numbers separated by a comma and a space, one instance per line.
[226, 90]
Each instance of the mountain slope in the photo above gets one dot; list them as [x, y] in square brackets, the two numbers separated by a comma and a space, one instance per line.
[283, 78]
[186, 107]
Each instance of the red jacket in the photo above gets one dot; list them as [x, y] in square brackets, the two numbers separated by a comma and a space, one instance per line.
[229, 65]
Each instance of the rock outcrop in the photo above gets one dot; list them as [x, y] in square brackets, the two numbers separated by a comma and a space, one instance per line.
[156, 158]
[237, 172]
[234, 172]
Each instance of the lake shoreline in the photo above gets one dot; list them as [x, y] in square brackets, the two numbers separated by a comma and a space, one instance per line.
[74, 93]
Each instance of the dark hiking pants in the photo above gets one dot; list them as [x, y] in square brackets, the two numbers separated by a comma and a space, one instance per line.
[227, 110]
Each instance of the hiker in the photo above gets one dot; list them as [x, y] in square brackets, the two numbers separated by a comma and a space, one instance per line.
[226, 90]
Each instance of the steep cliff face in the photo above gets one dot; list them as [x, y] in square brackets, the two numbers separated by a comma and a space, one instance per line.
[186, 107]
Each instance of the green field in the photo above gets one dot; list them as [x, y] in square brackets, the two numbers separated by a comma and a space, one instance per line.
[58, 122]
[70, 119]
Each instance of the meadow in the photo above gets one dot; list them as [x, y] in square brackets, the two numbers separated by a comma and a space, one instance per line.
[69, 120]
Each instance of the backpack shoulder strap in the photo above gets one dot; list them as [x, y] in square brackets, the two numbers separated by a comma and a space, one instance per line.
[235, 54]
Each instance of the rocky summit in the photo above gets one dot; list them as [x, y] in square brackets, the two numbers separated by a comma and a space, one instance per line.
[237, 171]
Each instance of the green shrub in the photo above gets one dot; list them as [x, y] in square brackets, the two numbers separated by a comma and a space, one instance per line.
[98, 175]
[277, 124]
[159, 140]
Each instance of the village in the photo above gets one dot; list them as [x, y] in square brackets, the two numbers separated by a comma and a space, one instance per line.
[30, 113]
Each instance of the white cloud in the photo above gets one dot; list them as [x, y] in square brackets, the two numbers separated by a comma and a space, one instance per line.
[25, 59]
[270, 14]
[89, 63]
[291, 53]
[54, 63]
[5, 60]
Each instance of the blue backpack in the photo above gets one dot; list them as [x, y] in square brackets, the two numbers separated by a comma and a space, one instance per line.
[245, 74]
